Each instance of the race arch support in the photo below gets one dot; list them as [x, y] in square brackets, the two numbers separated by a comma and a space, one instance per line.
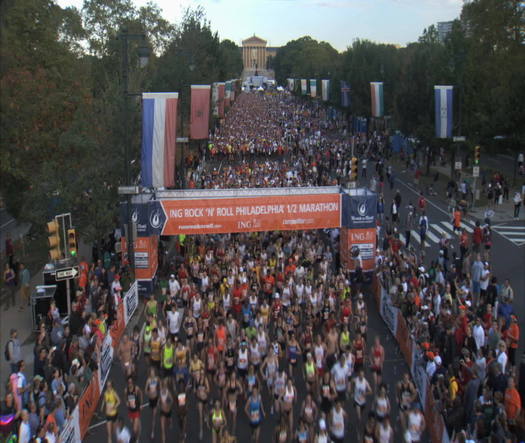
[196, 211]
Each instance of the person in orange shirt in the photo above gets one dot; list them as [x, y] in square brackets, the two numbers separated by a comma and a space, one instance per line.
[512, 334]
[512, 401]
[457, 220]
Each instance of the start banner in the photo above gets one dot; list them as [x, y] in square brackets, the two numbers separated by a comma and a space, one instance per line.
[258, 213]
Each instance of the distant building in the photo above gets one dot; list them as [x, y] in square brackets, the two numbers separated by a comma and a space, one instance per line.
[444, 29]
[255, 55]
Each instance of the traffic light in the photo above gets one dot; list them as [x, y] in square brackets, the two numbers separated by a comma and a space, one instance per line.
[477, 155]
[72, 242]
[53, 229]
[353, 169]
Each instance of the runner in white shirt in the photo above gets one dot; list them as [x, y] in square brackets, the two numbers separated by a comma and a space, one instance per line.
[360, 388]
[174, 320]
[414, 425]
[174, 286]
[122, 432]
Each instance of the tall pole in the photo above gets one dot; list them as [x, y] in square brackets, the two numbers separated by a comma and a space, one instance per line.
[127, 172]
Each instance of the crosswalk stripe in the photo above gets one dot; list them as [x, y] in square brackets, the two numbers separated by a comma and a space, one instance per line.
[511, 232]
[518, 228]
[470, 222]
[402, 238]
[432, 237]
[448, 225]
[467, 228]
[415, 236]
[441, 230]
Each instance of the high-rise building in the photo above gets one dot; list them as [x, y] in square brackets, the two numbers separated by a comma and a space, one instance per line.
[444, 29]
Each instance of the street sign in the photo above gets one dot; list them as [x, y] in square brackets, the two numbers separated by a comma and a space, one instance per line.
[475, 171]
[458, 166]
[459, 138]
[66, 273]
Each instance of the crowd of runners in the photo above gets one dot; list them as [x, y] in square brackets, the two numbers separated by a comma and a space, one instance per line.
[266, 330]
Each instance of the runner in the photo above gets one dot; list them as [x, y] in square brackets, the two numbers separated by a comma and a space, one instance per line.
[233, 390]
[288, 400]
[377, 358]
[151, 389]
[125, 353]
[134, 403]
[338, 418]
[110, 404]
[218, 421]
[202, 390]
[360, 388]
[182, 407]
[255, 411]
[166, 407]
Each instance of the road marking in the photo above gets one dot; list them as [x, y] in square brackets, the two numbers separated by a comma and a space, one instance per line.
[402, 239]
[448, 225]
[103, 422]
[520, 228]
[432, 236]
[415, 236]
[7, 223]
[467, 228]
[441, 230]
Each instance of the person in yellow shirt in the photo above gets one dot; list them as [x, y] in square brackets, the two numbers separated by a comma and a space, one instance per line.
[110, 404]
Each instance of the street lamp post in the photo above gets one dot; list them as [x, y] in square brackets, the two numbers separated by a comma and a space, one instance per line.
[143, 53]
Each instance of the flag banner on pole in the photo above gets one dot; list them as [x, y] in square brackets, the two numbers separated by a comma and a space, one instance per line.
[200, 111]
[159, 127]
[376, 92]
[297, 86]
[444, 96]
[227, 93]
[215, 99]
[313, 87]
[233, 84]
[221, 99]
[304, 86]
[290, 84]
[325, 89]
[360, 125]
[345, 94]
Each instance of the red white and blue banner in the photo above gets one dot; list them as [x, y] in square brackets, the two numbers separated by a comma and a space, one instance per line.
[200, 112]
[313, 87]
[444, 96]
[304, 86]
[376, 93]
[325, 90]
[345, 94]
[159, 126]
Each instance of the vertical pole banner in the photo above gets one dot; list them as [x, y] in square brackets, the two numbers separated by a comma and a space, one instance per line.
[376, 92]
[325, 89]
[290, 84]
[227, 93]
[159, 126]
[221, 99]
[232, 92]
[304, 86]
[345, 94]
[215, 99]
[200, 111]
[444, 96]
[313, 87]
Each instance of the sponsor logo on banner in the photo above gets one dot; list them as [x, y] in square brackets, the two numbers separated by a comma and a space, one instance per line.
[88, 404]
[365, 241]
[268, 213]
[106, 358]
[362, 213]
[146, 257]
[388, 312]
[71, 430]
[131, 301]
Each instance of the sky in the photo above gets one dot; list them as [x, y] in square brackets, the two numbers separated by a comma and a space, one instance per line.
[338, 22]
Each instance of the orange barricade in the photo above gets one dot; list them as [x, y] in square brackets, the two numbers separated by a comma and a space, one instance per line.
[403, 338]
[88, 404]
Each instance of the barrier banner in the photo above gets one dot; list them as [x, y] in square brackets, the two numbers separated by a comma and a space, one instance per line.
[435, 423]
[131, 301]
[388, 312]
[403, 338]
[258, 213]
[420, 378]
[88, 404]
[71, 430]
[118, 326]
[105, 360]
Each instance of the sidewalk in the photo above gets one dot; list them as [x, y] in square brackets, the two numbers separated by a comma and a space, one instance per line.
[22, 322]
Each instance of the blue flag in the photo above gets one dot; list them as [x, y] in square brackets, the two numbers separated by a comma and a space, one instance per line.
[345, 94]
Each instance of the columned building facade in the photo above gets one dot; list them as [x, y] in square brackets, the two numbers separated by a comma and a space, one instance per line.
[254, 53]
